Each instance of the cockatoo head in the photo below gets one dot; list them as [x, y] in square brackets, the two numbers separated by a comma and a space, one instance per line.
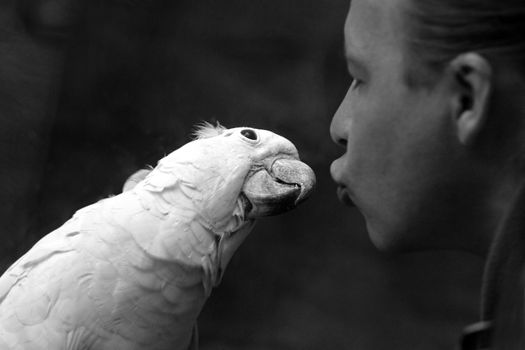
[230, 177]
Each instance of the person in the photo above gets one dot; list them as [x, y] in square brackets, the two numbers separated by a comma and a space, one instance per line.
[433, 131]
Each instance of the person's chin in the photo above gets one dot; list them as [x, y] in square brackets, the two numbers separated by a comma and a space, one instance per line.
[386, 239]
[392, 241]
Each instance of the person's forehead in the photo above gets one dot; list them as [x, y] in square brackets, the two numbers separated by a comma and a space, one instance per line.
[374, 24]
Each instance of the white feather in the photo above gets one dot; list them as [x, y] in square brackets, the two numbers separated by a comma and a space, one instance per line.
[205, 130]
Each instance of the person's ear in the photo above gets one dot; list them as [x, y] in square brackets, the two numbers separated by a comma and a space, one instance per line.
[472, 76]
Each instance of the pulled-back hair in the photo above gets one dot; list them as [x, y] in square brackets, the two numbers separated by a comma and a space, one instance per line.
[439, 30]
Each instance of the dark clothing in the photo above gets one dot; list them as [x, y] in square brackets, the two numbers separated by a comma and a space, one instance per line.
[503, 293]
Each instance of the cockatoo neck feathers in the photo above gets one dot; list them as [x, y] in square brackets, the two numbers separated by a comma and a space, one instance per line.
[205, 130]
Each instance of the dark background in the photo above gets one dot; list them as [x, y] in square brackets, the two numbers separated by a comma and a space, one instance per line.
[92, 91]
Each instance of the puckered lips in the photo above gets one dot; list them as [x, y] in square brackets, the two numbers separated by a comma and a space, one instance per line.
[344, 197]
[277, 188]
[342, 190]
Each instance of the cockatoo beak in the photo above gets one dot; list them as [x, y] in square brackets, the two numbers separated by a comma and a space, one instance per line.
[278, 188]
[272, 190]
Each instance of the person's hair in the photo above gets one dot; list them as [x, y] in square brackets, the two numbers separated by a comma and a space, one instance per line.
[439, 30]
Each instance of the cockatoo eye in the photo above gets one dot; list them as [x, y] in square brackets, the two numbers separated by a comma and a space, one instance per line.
[249, 134]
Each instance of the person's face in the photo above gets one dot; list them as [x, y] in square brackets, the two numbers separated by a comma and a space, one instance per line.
[397, 139]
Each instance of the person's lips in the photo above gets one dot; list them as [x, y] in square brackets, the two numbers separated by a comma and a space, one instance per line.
[337, 174]
[336, 170]
[344, 197]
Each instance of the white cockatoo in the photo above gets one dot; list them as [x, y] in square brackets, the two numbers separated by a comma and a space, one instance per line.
[133, 271]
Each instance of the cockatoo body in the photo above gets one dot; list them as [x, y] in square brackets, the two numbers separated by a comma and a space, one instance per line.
[133, 271]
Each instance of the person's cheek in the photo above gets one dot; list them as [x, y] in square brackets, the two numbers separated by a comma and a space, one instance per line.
[361, 143]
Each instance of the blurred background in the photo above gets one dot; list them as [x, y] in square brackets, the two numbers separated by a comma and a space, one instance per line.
[91, 91]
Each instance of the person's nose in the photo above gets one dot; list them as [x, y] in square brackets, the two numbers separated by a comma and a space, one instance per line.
[339, 124]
